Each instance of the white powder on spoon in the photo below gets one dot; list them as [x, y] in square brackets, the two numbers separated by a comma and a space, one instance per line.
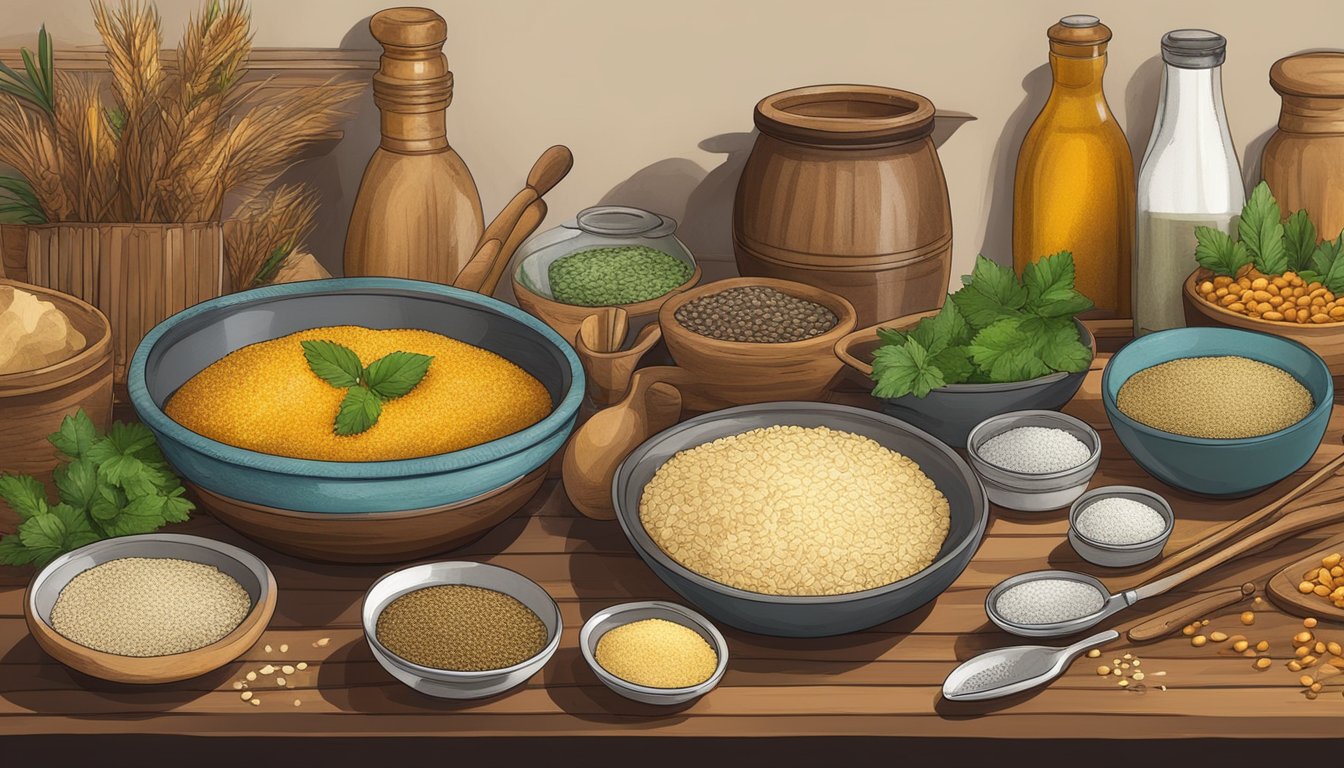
[1048, 601]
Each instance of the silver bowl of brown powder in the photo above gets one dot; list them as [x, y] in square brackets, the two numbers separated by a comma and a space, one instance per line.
[460, 630]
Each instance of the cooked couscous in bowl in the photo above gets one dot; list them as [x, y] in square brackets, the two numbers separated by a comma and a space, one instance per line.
[356, 394]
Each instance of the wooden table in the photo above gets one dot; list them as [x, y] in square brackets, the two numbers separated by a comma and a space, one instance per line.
[883, 682]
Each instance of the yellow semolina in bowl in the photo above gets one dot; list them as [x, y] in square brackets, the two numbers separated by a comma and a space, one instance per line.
[264, 397]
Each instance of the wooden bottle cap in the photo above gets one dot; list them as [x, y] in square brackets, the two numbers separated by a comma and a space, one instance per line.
[845, 116]
[1319, 74]
[409, 28]
[1079, 36]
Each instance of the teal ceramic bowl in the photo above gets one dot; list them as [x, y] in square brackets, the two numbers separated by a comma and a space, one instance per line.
[1226, 468]
[184, 344]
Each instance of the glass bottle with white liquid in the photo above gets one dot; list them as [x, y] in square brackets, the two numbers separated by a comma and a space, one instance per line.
[1189, 176]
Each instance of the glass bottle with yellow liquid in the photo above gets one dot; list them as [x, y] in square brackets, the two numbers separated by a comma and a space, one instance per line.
[1074, 189]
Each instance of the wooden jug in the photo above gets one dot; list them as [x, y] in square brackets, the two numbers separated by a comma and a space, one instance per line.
[1304, 157]
[417, 214]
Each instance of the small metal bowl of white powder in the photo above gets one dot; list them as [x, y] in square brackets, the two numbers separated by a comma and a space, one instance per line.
[1119, 525]
[1033, 461]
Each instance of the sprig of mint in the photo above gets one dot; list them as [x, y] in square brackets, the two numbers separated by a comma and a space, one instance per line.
[996, 328]
[111, 485]
[367, 388]
[1272, 244]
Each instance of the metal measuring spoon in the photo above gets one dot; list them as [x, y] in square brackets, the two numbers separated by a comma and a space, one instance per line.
[1110, 604]
[1005, 671]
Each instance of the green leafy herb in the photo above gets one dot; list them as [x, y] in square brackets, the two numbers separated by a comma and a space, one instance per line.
[110, 485]
[273, 262]
[36, 84]
[1299, 239]
[997, 328]
[367, 388]
[1216, 251]
[1262, 232]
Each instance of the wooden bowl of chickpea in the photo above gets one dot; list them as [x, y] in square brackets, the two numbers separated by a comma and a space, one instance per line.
[1283, 305]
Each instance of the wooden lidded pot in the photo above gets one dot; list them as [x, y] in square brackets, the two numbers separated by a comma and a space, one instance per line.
[844, 191]
[33, 403]
[1304, 157]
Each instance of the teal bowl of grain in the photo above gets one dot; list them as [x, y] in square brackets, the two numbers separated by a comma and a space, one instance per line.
[1221, 467]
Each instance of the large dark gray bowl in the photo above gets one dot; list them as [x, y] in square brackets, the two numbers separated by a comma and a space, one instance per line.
[184, 344]
[808, 616]
[950, 412]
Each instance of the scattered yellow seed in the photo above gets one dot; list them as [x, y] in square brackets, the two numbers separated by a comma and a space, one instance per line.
[1301, 638]
[322, 642]
[1301, 651]
[1138, 675]
[287, 669]
[1103, 670]
[1188, 630]
[280, 681]
[1309, 623]
[256, 702]
[1316, 687]
[1305, 680]
[1293, 665]
[1247, 618]
[1117, 671]
[1123, 683]
[1319, 648]
[1127, 656]
[284, 648]
[1262, 663]
[1094, 653]
[1334, 648]
[238, 686]
[297, 702]
[302, 665]
[1124, 665]
[1262, 646]
[1159, 674]
[1198, 640]
[1163, 687]
[247, 695]
[251, 676]
[1307, 661]
[1217, 637]
[1240, 646]
[1204, 623]
[268, 649]
[1249, 653]
[1137, 662]
[266, 670]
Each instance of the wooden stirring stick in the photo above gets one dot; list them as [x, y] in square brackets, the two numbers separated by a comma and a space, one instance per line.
[1187, 611]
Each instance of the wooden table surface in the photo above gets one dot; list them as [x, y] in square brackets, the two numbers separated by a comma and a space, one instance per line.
[881, 682]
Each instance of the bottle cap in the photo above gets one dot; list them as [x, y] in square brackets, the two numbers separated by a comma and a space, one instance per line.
[1079, 36]
[1194, 48]
[1080, 21]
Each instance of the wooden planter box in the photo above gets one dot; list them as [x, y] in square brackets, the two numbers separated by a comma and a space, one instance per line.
[137, 274]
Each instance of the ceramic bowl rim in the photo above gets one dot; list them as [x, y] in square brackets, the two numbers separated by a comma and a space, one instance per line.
[521, 440]
[1088, 467]
[719, 643]
[628, 518]
[451, 675]
[1323, 405]
[846, 317]
[1094, 495]
[254, 565]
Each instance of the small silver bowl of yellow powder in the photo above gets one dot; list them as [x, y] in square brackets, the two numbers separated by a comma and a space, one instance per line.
[654, 652]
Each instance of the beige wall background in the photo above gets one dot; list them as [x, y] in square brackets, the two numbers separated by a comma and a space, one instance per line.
[655, 98]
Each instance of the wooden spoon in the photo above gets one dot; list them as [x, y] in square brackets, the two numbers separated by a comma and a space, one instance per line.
[1282, 586]
[1270, 513]
[608, 367]
[597, 448]
[1187, 611]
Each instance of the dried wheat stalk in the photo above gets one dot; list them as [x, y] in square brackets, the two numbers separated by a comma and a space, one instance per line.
[87, 146]
[278, 218]
[28, 145]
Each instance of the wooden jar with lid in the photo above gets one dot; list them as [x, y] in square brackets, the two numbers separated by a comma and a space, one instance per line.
[844, 191]
[418, 213]
[1304, 158]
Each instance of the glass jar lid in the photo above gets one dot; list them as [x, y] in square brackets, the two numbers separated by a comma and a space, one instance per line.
[623, 221]
[1194, 48]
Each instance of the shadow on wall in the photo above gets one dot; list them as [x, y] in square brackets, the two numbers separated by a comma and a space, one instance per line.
[343, 167]
[998, 241]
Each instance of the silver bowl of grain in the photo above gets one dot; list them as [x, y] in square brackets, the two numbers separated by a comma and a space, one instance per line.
[449, 629]
[1034, 461]
[661, 657]
[152, 608]
[903, 453]
[1119, 526]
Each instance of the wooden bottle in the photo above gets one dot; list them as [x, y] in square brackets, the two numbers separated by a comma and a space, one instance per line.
[417, 214]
